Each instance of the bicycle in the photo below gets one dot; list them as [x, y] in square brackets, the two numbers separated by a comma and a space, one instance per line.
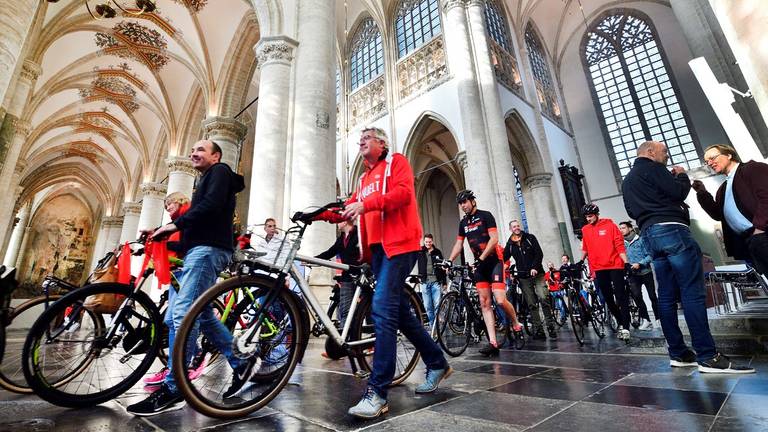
[276, 327]
[459, 318]
[7, 285]
[585, 308]
[558, 306]
[517, 298]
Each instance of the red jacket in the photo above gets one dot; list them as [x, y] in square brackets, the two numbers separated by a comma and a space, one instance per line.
[603, 243]
[175, 246]
[388, 187]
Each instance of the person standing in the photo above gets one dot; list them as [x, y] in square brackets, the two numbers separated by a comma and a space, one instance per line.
[603, 243]
[432, 276]
[347, 249]
[640, 273]
[525, 249]
[741, 202]
[390, 238]
[654, 196]
[207, 228]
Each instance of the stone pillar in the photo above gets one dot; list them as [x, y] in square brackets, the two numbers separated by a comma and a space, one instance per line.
[267, 188]
[113, 229]
[228, 134]
[478, 169]
[99, 246]
[152, 208]
[498, 142]
[181, 178]
[19, 229]
[131, 213]
[313, 151]
[545, 223]
[15, 21]
[9, 177]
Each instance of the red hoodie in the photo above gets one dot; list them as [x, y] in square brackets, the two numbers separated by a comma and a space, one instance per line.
[391, 214]
[603, 243]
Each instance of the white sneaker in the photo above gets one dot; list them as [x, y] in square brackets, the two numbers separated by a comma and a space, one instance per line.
[623, 334]
[645, 325]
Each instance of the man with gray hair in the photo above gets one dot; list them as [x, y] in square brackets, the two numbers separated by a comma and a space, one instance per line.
[654, 196]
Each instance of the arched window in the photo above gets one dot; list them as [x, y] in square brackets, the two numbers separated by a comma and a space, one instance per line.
[497, 25]
[416, 22]
[633, 91]
[545, 89]
[366, 60]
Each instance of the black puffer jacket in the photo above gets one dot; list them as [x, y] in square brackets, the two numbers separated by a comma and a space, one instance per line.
[436, 256]
[527, 253]
[653, 195]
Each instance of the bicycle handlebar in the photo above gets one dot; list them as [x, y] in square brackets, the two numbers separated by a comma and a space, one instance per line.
[330, 212]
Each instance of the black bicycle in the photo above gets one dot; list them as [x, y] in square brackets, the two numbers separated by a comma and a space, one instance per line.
[585, 307]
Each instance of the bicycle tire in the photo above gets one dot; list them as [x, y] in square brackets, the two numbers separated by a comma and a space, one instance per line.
[137, 335]
[560, 311]
[634, 313]
[11, 373]
[201, 394]
[362, 329]
[577, 316]
[452, 324]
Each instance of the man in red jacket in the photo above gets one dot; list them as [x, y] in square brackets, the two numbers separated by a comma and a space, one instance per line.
[603, 243]
[390, 236]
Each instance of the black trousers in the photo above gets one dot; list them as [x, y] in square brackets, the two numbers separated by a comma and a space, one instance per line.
[758, 251]
[636, 283]
[610, 283]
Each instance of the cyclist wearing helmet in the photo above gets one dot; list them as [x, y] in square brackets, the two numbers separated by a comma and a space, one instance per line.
[604, 244]
[479, 228]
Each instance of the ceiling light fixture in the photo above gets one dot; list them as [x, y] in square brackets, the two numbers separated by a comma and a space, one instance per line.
[104, 9]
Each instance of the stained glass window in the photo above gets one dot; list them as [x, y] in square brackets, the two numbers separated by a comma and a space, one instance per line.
[545, 89]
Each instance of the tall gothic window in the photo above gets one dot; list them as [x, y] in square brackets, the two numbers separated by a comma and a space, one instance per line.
[501, 48]
[545, 89]
[416, 22]
[366, 60]
[497, 25]
[633, 91]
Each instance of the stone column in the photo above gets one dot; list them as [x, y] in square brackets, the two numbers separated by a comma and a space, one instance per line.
[131, 213]
[545, 223]
[113, 229]
[181, 178]
[19, 229]
[267, 188]
[227, 133]
[152, 208]
[478, 169]
[15, 21]
[313, 151]
[498, 142]
[10, 175]
[99, 245]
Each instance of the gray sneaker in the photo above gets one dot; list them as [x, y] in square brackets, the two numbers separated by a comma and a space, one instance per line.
[370, 406]
[433, 378]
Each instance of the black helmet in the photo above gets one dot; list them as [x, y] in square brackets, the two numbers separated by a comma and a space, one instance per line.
[590, 209]
[464, 195]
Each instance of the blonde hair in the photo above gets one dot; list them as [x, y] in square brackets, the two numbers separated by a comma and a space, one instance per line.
[725, 150]
[176, 197]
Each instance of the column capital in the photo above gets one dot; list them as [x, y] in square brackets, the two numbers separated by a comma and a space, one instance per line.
[461, 159]
[535, 181]
[21, 127]
[30, 70]
[224, 127]
[275, 49]
[450, 4]
[131, 208]
[180, 164]
[480, 3]
[21, 165]
[154, 190]
[112, 221]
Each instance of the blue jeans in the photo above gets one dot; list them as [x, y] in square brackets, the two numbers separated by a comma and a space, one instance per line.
[680, 277]
[391, 311]
[431, 296]
[202, 265]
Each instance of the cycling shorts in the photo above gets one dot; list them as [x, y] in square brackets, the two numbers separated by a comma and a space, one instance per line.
[489, 274]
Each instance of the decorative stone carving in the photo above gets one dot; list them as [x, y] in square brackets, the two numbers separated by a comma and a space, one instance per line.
[30, 70]
[535, 181]
[21, 128]
[450, 4]
[479, 3]
[154, 190]
[461, 159]
[111, 89]
[131, 208]
[194, 6]
[226, 128]
[112, 221]
[505, 67]
[278, 49]
[423, 68]
[180, 164]
[129, 39]
[368, 102]
[21, 165]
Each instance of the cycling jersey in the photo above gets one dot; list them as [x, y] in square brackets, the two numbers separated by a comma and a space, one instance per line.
[477, 228]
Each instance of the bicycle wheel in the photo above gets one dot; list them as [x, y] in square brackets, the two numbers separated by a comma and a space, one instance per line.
[11, 374]
[634, 313]
[560, 310]
[501, 325]
[362, 328]
[452, 325]
[271, 338]
[77, 361]
[597, 324]
[577, 316]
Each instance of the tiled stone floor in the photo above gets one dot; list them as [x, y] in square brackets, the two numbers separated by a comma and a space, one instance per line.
[548, 386]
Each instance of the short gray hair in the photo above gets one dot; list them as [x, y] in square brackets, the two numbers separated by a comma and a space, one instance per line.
[378, 133]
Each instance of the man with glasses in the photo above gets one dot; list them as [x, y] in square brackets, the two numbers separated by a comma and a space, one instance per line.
[270, 242]
[741, 202]
[654, 196]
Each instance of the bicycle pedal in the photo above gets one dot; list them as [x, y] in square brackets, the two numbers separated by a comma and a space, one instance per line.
[362, 374]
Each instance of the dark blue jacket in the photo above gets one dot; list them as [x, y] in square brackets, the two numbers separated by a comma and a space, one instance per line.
[209, 220]
[653, 195]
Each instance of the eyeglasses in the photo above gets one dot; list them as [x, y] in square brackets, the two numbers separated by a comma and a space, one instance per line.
[711, 158]
[271, 226]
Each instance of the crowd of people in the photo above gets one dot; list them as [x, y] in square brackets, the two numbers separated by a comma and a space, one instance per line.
[380, 225]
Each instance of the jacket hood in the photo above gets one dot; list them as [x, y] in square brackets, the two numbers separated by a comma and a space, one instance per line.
[238, 181]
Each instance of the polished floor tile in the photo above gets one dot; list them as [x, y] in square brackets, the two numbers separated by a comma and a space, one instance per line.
[550, 389]
[428, 421]
[503, 408]
[697, 402]
[586, 375]
[683, 379]
[506, 369]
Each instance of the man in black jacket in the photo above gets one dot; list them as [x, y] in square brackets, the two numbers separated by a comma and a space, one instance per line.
[347, 249]
[526, 251]
[432, 276]
[207, 228]
[741, 204]
[655, 198]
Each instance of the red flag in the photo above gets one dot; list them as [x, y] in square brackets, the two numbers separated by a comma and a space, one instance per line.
[124, 265]
[160, 260]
